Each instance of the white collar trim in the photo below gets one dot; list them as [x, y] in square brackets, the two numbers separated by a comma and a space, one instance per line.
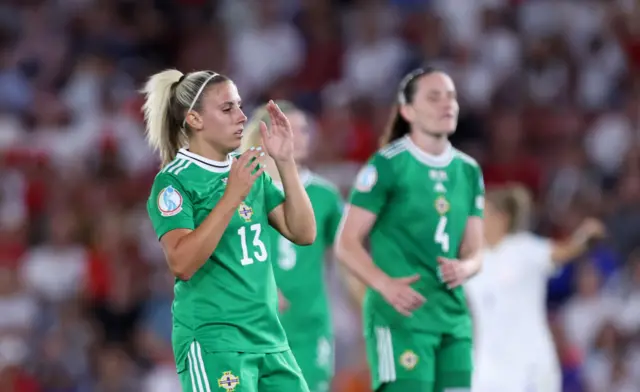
[441, 160]
[206, 163]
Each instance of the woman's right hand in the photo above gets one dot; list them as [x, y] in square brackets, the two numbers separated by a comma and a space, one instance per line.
[244, 172]
[399, 294]
[591, 229]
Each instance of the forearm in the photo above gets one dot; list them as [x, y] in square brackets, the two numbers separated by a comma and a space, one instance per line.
[565, 251]
[193, 249]
[298, 212]
[352, 254]
[472, 262]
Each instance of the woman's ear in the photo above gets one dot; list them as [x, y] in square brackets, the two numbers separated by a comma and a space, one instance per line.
[194, 120]
[407, 112]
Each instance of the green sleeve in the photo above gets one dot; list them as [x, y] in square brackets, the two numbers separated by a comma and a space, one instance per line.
[273, 195]
[169, 206]
[477, 200]
[334, 217]
[373, 185]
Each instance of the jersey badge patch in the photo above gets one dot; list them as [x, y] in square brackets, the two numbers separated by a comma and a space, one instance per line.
[366, 179]
[245, 212]
[224, 180]
[442, 205]
[408, 360]
[480, 202]
[228, 381]
[169, 201]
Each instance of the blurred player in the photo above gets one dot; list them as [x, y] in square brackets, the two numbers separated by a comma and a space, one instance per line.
[513, 343]
[299, 270]
[211, 212]
[420, 202]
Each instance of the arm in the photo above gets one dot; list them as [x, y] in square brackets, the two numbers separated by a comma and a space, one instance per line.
[469, 263]
[562, 252]
[294, 218]
[187, 250]
[370, 194]
[472, 244]
[350, 250]
[186, 247]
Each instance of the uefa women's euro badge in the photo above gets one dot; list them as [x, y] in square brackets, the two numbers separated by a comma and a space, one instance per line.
[169, 201]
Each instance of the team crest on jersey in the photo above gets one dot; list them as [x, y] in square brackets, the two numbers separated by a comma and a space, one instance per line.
[366, 179]
[245, 212]
[442, 205]
[228, 381]
[169, 201]
[409, 360]
[224, 180]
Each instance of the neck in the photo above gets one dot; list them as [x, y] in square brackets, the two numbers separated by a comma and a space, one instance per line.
[431, 144]
[207, 151]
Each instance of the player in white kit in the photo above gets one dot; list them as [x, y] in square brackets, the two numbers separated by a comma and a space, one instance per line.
[513, 346]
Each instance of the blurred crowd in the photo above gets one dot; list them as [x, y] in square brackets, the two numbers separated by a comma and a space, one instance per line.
[550, 97]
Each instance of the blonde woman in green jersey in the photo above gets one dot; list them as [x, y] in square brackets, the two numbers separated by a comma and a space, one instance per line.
[420, 202]
[211, 211]
[299, 270]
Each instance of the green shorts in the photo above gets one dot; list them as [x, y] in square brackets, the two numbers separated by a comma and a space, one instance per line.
[438, 363]
[316, 359]
[241, 372]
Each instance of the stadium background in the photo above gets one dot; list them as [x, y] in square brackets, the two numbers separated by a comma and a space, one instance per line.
[550, 96]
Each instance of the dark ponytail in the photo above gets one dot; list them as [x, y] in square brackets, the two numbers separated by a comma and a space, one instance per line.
[398, 126]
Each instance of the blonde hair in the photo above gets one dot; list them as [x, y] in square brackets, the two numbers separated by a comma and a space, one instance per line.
[169, 96]
[251, 135]
[516, 202]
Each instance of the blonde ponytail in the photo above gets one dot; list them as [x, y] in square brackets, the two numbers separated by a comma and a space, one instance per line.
[169, 95]
[516, 202]
[523, 201]
[158, 92]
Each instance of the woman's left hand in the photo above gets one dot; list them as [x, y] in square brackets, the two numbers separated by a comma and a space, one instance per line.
[277, 139]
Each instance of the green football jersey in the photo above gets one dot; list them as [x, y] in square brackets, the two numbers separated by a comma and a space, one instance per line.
[230, 303]
[300, 270]
[422, 203]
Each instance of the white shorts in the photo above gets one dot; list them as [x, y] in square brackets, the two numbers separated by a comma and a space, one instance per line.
[511, 379]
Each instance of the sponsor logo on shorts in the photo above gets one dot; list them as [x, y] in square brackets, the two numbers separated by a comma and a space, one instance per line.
[228, 381]
[408, 360]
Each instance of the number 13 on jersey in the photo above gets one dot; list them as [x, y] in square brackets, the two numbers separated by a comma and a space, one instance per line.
[259, 250]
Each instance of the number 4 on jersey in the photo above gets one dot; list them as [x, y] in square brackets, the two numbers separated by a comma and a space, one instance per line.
[441, 236]
[261, 253]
